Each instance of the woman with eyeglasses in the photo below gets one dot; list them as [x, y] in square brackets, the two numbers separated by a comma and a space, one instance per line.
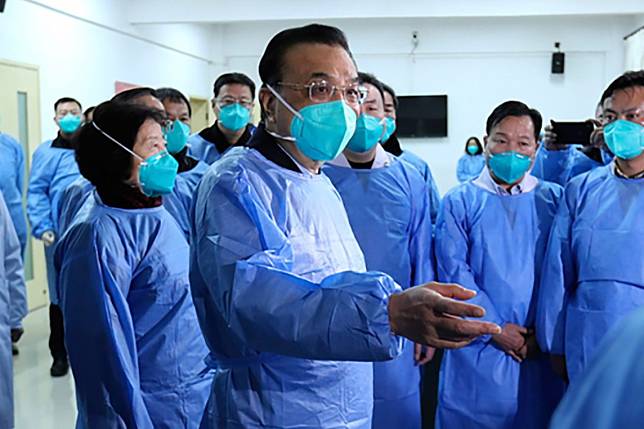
[135, 346]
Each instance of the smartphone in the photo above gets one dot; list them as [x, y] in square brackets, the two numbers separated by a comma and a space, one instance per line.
[573, 132]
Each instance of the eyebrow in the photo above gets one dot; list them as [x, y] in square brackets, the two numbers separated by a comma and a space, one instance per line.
[327, 76]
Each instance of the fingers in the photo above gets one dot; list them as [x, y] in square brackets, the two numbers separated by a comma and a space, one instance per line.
[425, 359]
[450, 290]
[456, 308]
[464, 330]
[418, 350]
[445, 344]
[521, 329]
[514, 356]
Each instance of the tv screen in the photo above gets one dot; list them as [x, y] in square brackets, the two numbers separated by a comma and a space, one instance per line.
[422, 116]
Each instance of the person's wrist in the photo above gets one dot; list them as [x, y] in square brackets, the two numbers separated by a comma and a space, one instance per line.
[393, 307]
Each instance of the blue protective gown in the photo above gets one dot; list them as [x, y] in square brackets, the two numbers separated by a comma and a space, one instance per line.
[279, 285]
[179, 201]
[134, 343]
[559, 166]
[52, 171]
[388, 209]
[469, 167]
[12, 175]
[594, 270]
[13, 307]
[426, 172]
[609, 395]
[204, 150]
[494, 244]
[74, 197]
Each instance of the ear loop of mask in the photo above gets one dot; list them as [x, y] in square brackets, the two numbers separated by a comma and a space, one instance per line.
[118, 143]
[290, 108]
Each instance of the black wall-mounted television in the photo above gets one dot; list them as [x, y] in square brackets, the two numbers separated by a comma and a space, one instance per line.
[422, 116]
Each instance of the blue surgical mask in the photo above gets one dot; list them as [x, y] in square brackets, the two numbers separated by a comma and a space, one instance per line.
[390, 127]
[624, 138]
[234, 117]
[472, 150]
[177, 137]
[369, 130]
[157, 172]
[69, 123]
[320, 131]
[510, 166]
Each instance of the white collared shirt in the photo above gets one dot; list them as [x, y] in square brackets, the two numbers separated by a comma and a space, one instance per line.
[485, 181]
[382, 159]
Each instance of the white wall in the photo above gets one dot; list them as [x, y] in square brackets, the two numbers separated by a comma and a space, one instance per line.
[83, 47]
[477, 62]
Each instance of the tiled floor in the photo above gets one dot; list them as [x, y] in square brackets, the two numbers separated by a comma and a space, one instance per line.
[40, 401]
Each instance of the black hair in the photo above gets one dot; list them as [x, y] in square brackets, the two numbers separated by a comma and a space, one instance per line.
[231, 78]
[272, 61]
[391, 92]
[630, 79]
[66, 100]
[372, 80]
[478, 143]
[174, 96]
[131, 95]
[100, 160]
[514, 108]
[89, 110]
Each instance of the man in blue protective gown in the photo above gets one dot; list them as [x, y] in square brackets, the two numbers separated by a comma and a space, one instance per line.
[232, 104]
[392, 145]
[608, 394]
[12, 175]
[558, 161]
[13, 307]
[291, 318]
[593, 272]
[388, 207]
[179, 113]
[53, 169]
[491, 236]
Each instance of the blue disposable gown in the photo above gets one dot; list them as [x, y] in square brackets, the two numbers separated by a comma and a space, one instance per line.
[179, 201]
[426, 172]
[204, 150]
[608, 396]
[593, 275]
[13, 307]
[74, 197]
[559, 166]
[133, 338]
[388, 209]
[494, 244]
[52, 170]
[469, 167]
[280, 289]
[12, 175]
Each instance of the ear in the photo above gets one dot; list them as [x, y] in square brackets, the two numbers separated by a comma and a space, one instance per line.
[484, 142]
[267, 103]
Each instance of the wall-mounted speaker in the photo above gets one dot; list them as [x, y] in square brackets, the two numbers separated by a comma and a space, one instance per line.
[558, 62]
[2, 3]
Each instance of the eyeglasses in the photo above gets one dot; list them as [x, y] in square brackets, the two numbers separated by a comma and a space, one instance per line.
[322, 91]
[227, 101]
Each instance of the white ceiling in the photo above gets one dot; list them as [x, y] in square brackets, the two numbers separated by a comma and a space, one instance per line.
[232, 11]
